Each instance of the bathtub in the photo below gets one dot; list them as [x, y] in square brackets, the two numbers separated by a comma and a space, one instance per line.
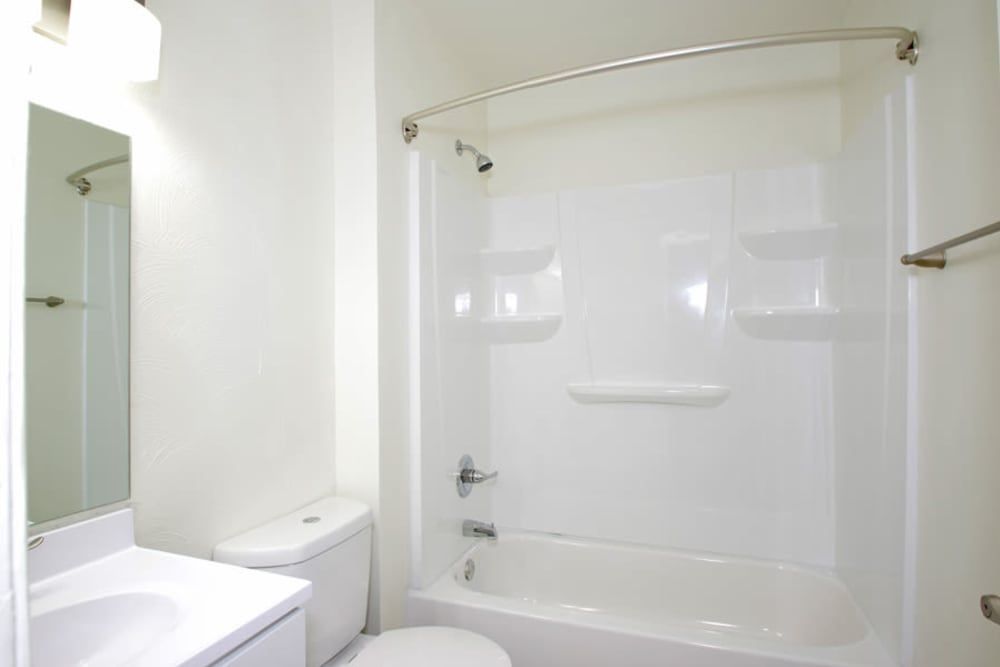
[554, 601]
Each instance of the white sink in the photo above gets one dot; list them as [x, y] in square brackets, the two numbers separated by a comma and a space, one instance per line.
[97, 600]
[113, 630]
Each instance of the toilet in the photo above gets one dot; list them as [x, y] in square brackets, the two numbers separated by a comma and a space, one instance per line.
[329, 544]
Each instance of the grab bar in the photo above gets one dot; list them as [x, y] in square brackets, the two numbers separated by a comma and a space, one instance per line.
[50, 301]
[934, 257]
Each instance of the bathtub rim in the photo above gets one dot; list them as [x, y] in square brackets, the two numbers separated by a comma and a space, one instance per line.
[865, 652]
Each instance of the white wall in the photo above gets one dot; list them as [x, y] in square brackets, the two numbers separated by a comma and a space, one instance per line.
[356, 265]
[413, 70]
[232, 284]
[729, 112]
[518, 39]
[386, 64]
[14, 35]
[956, 92]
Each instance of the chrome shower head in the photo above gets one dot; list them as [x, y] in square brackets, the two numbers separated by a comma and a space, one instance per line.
[483, 161]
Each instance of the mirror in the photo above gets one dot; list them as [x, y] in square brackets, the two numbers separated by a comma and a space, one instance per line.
[76, 316]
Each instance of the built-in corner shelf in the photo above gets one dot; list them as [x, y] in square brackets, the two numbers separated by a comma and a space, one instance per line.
[504, 329]
[792, 323]
[700, 395]
[809, 242]
[519, 261]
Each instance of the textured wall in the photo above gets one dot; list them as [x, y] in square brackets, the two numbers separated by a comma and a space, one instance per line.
[232, 276]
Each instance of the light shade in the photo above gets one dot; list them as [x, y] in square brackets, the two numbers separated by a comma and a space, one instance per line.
[117, 37]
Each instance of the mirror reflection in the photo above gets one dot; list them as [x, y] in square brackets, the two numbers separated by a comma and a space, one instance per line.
[76, 315]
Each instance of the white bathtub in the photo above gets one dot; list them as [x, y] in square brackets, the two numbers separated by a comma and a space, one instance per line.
[555, 601]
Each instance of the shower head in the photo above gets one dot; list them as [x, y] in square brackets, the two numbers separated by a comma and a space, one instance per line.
[483, 161]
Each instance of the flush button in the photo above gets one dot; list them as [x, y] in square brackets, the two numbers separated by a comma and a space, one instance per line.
[311, 519]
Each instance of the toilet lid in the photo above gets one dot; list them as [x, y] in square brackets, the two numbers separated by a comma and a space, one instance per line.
[431, 646]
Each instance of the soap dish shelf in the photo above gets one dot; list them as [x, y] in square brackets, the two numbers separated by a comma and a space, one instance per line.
[790, 323]
[516, 262]
[507, 329]
[697, 395]
[791, 243]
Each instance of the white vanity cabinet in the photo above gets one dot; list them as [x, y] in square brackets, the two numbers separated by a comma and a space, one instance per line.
[98, 599]
[283, 643]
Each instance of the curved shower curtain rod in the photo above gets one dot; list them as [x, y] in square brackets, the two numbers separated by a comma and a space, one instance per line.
[906, 49]
[82, 185]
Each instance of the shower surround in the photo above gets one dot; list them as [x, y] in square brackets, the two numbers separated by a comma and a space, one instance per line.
[708, 369]
[652, 281]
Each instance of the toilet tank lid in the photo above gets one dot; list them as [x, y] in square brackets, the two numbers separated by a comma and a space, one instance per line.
[297, 536]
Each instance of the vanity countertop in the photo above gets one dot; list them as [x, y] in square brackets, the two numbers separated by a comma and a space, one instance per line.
[98, 599]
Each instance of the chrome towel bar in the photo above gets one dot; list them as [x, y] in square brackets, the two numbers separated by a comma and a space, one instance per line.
[50, 301]
[934, 257]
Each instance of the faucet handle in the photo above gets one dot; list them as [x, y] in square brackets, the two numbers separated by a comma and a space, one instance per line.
[473, 476]
[469, 475]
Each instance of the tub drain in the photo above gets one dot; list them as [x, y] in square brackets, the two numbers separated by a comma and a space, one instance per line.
[470, 569]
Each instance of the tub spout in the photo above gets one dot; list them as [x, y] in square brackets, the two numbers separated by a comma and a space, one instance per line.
[472, 528]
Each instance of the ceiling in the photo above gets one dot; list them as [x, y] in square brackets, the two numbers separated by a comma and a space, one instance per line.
[500, 41]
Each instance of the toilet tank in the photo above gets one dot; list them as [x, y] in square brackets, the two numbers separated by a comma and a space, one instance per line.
[328, 543]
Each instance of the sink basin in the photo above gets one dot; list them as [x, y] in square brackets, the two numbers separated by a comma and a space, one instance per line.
[98, 600]
[109, 630]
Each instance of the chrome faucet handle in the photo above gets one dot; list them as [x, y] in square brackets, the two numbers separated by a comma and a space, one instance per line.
[473, 476]
[469, 475]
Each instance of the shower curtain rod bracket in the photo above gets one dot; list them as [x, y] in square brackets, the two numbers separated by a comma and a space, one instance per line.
[410, 131]
[83, 185]
[907, 49]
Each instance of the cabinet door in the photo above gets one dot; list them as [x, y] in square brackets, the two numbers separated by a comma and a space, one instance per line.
[283, 643]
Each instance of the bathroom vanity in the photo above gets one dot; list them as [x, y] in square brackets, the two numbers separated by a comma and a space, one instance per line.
[98, 599]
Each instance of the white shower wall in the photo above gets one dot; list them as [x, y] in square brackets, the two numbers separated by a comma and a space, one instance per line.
[452, 419]
[647, 277]
[871, 372]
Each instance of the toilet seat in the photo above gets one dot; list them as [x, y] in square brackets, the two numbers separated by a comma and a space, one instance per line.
[431, 646]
